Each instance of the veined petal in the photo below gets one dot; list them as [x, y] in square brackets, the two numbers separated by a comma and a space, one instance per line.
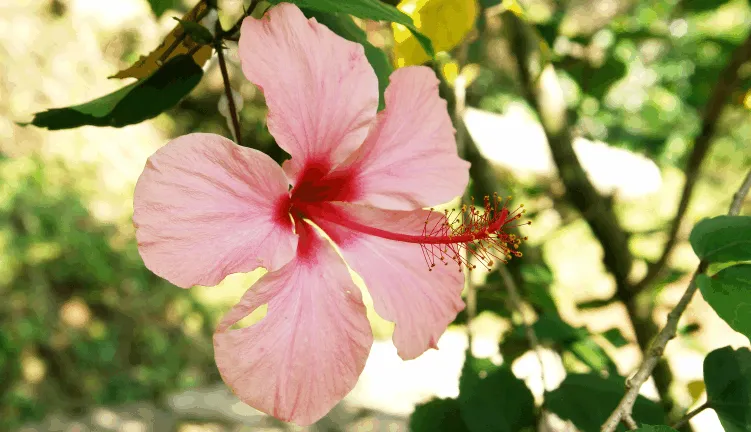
[420, 302]
[205, 207]
[306, 354]
[409, 159]
[321, 92]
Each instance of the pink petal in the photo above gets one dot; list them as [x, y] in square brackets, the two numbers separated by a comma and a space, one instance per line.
[321, 92]
[409, 159]
[422, 303]
[306, 354]
[205, 207]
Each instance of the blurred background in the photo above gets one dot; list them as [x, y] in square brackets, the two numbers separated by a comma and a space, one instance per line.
[93, 341]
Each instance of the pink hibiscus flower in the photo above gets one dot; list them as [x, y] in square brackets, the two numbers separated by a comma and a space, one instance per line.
[205, 207]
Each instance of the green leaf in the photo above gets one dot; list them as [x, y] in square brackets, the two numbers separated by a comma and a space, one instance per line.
[131, 104]
[702, 5]
[655, 428]
[592, 355]
[596, 81]
[689, 329]
[492, 399]
[159, 7]
[196, 31]
[729, 294]
[596, 304]
[366, 9]
[345, 27]
[438, 415]
[727, 374]
[722, 239]
[578, 341]
[615, 337]
[587, 401]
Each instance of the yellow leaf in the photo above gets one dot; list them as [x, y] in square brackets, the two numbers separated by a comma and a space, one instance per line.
[176, 41]
[696, 389]
[747, 100]
[450, 72]
[445, 22]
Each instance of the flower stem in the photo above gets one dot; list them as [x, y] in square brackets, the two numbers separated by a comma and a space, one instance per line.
[228, 93]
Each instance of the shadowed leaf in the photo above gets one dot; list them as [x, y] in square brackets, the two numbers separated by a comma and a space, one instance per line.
[132, 104]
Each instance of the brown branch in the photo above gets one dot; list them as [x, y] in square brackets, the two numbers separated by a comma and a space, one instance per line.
[726, 83]
[657, 347]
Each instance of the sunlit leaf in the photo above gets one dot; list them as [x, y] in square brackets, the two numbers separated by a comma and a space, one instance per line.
[445, 22]
[552, 330]
[176, 43]
[695, 389]
[729, 294]
[727, 375]
[722, 239]
[131, 104]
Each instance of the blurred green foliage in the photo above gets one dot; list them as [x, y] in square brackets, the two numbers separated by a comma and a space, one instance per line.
[84, 322]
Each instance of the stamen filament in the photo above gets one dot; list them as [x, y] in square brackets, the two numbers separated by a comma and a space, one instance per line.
[479, 233]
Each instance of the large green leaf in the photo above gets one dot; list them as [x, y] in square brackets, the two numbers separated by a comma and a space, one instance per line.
[722, 239]
[438, 415]
[588, 400]
[367, 9]
[345, 27]
[131, 104]
[727, 375]
[492, 399]
[729, 294]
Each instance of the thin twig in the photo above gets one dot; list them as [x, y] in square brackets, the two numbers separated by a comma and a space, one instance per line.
[228, 93]
[726, 83]
[529, 332]
[657, 347]
[684, 421]
[227, 35]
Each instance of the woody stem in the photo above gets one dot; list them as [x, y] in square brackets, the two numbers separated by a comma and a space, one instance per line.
[228, 93]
